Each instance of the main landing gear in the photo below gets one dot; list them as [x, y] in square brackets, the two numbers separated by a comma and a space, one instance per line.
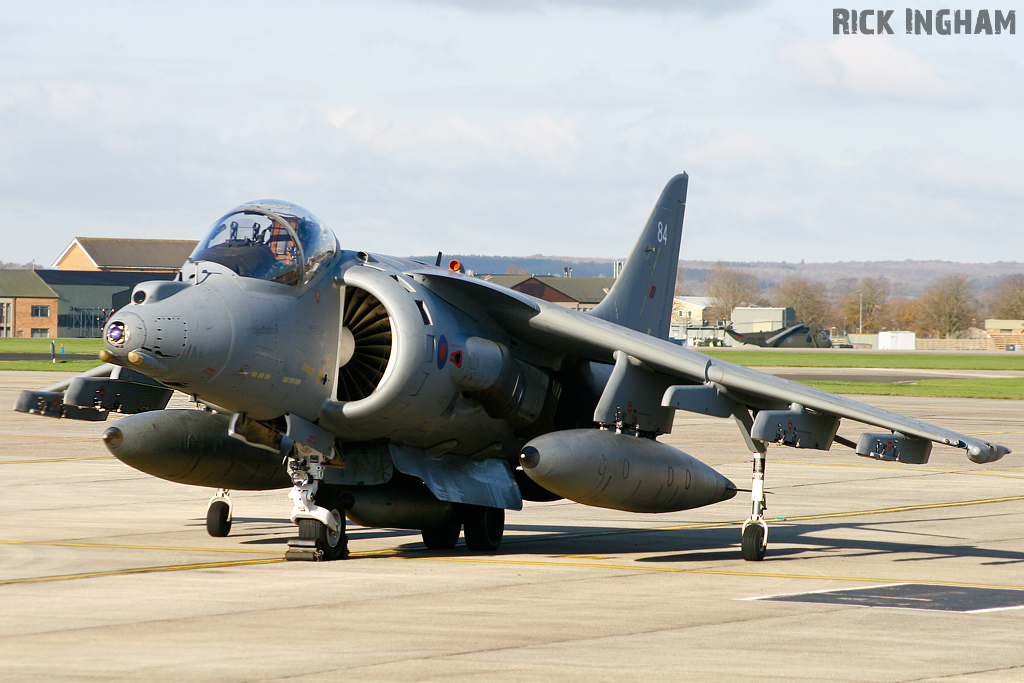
[484, 527]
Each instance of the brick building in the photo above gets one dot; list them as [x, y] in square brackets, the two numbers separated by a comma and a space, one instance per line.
[124, 255]
[579, 293]
[28, 306]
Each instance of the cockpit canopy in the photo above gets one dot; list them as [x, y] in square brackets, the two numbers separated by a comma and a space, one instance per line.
[269, 240]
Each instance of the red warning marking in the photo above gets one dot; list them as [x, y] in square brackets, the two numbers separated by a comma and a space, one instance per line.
[318, 296]
[651, 295]
[456, 358]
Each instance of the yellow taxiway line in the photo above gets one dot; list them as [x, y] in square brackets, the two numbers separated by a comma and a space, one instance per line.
[139, 570]
[29, 462]
[126, 546]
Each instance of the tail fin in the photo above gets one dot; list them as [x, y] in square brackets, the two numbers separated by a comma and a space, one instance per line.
[641, 298]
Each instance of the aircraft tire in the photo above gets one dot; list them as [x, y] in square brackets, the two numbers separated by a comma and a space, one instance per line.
[443, 537]
[331, 546]
[217, 522]
[753, 543]
[484, 527]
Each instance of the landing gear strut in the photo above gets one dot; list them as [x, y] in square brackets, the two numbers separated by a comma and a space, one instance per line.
[755, 529]
[321, 529]
[218, 514]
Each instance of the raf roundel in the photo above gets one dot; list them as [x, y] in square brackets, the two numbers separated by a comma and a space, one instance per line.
[442, 352]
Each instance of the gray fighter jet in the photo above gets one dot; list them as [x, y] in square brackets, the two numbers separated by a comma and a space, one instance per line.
[408, 395]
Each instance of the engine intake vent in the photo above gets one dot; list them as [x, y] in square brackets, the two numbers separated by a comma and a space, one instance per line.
[365, 345]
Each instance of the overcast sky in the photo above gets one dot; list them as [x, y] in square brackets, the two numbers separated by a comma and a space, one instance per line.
[512, 127]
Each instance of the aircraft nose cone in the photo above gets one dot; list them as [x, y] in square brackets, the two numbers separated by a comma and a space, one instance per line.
[183, 336]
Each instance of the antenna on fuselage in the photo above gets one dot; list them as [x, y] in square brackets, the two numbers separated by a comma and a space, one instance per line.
[438, 261]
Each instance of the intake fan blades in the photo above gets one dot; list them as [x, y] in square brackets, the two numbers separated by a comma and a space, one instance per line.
[367, 336]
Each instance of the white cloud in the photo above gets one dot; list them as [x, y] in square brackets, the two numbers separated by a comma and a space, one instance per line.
[870, 68]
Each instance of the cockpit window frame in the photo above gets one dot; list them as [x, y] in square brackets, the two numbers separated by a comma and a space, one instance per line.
[316, 245]
[245, 209]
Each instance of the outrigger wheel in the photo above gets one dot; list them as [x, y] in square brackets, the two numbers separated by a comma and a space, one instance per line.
[218, 514]
[754, 541]
[218, 520]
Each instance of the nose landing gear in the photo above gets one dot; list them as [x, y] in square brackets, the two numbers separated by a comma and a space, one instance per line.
[321, 529]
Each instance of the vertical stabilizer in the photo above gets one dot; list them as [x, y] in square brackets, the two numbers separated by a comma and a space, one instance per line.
[641, 298]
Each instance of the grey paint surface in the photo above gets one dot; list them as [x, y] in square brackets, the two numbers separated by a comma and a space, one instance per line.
[576, 593]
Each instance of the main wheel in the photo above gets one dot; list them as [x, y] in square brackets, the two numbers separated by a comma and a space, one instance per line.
[484, 527]
[753, 543]
[332, 545]
[218, 523]
[443, 537]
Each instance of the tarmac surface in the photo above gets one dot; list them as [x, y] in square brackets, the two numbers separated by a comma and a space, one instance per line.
[108, 574]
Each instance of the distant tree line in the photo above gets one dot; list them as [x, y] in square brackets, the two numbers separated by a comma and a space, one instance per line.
[948, 308]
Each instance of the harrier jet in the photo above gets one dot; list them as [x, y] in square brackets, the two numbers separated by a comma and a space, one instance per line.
[402, 394]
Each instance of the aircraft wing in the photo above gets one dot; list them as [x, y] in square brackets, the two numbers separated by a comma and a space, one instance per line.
[577, 334]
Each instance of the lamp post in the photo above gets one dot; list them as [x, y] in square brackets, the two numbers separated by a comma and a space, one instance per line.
[860, 314]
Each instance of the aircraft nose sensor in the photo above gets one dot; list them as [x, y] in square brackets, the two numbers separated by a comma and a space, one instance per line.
[117, 334]
[124, 333]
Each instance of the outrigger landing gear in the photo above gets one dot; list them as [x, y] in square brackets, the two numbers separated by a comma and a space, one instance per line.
[218, 514]
[755, 529]
[321, 530]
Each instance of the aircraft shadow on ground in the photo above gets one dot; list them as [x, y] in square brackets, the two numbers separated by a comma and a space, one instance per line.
[805, 541]
[786, 541]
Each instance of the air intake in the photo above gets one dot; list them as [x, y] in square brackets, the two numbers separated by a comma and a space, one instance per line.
[365, 345]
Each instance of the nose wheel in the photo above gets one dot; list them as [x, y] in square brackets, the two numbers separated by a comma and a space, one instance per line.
[317, 541]
[321, 529]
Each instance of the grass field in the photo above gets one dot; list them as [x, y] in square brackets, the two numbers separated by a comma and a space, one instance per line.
[48, 366]
[843, 359]
[988, 387]
[36, 345]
